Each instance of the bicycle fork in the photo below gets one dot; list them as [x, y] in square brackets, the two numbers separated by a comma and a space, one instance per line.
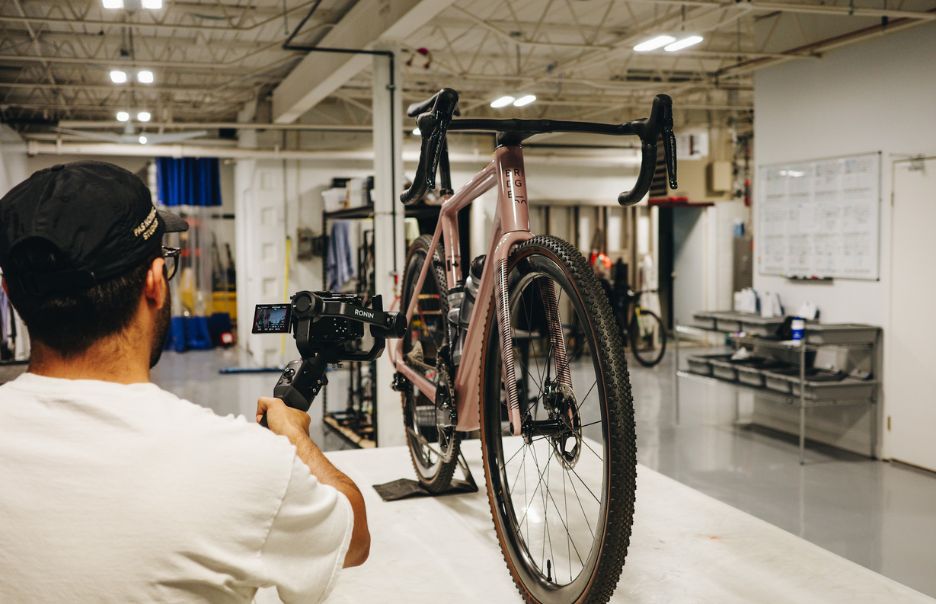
[556, 341]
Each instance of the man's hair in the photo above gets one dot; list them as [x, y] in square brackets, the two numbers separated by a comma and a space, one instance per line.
[70, 323]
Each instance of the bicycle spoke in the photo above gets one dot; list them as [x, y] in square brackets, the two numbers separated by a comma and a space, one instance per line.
[568, 532]
[584, 484]
[565, 499]
[584, 442]
[581, 507]
[582, 402]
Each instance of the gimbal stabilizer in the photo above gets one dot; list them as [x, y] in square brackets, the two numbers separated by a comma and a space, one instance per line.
[328, 328]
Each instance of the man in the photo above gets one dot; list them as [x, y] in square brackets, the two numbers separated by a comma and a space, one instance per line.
[112, 489]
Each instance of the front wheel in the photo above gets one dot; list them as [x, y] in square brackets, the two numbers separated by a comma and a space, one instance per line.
[647, 337]
[562, 493]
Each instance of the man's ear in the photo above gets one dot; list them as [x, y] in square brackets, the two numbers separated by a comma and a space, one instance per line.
[155, 287]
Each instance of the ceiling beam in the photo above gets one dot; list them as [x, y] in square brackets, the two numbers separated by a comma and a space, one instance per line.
[319, 75]
[147, 23]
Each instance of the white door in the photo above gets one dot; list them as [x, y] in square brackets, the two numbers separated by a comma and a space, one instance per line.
[910, 406]
[261, 255]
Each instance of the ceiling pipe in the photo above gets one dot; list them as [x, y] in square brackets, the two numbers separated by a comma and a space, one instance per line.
[603, 158]
[827, 44]
[797, 7]
[92, 124]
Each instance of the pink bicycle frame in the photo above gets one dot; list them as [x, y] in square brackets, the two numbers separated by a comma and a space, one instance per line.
[511, 226]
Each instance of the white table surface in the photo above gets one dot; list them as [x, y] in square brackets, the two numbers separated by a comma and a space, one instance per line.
[686, 547]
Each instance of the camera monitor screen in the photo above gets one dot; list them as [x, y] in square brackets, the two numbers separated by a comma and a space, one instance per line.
[271, 318]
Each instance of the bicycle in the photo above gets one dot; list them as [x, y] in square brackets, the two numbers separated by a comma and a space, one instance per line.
[470, 337]
[641, 329]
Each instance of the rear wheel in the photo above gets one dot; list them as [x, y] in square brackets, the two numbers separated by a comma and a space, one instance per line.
[647, 337]
[562, 493]
[430, 427]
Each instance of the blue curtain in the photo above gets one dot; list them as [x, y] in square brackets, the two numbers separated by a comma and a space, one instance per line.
[188, 181]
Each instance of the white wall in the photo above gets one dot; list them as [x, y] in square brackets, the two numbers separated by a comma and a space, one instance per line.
[876, 95]
[13, 160]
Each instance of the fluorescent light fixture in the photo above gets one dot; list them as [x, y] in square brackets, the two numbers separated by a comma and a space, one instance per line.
[417, 132]
[151, 4]
[792, 173]
[112, 4]
[142, 139]
[145, 76]
[118, 76]
[502, 101]
[524, 100]
[123, 116]
[684, 43]
[143, 116]
[654, 43]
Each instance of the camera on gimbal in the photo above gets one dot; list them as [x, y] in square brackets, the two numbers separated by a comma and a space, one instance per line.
[328, 328]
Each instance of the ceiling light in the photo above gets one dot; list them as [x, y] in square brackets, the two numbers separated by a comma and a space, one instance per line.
[142, 139]
[143, 116]
[145, 76]
[684, 43]
[417, 132]
[502, 101]
[123, 116]
[151, 4]
[654, 43]
[118, 76]
[524, 100]
[112, 4]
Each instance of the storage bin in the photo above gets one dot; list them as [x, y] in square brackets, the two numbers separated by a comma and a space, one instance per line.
[728, 322]
[752, 376]
[840, 333]
[846, 389]
[724, 370]
[760, 326]
[778, 382]
[701, 364]
[704, 320]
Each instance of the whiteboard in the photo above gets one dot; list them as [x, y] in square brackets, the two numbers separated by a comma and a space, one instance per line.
[820, 218]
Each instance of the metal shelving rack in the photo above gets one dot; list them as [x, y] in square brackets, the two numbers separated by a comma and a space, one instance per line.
[365, 436]
[800, 401]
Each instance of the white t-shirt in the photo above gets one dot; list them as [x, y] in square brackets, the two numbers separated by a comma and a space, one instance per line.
[127, 493]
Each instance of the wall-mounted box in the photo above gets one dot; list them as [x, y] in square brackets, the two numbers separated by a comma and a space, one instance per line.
[719, 173]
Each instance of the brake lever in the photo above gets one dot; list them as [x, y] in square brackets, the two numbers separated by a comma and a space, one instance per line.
[669, 143]
[669, 152]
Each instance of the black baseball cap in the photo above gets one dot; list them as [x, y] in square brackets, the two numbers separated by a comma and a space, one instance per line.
[99, 218]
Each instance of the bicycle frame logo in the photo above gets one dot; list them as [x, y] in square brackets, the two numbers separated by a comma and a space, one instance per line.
[516, 185]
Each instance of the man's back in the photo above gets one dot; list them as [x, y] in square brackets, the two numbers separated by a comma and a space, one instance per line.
[126, 492]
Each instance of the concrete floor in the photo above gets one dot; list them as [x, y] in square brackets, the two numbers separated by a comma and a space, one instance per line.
[879, 515]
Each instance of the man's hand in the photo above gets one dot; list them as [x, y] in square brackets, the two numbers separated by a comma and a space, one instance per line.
[282, 419]
[294, 425]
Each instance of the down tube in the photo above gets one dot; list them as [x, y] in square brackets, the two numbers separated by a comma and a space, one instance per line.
[469, 379]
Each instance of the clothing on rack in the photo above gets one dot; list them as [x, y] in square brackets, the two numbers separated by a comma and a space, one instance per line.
[339, 266]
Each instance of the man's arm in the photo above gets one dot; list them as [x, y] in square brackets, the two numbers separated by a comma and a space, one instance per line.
[294, 425]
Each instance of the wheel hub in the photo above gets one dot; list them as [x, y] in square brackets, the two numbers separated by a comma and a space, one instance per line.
[563, 428]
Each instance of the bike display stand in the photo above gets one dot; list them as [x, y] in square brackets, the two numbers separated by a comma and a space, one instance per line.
[407, 488]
